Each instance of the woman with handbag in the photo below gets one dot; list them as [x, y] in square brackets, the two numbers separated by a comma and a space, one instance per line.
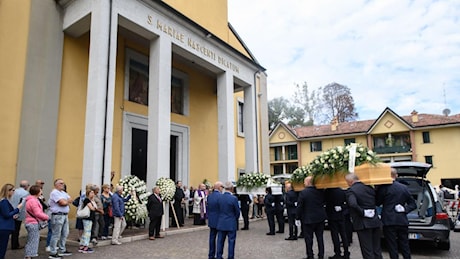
[7, 216]
[106, 199]
[34, 217]
[87, 222]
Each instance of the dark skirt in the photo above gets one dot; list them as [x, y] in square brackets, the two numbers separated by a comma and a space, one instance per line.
[197, 219]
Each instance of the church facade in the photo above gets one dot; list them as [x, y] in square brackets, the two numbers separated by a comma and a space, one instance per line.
[96, 89]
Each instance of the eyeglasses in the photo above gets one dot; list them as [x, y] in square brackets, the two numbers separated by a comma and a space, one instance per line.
[42, 183]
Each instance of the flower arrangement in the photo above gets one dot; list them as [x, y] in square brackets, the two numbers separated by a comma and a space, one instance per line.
[167, 188]
[136, 206]
[336, 160]
[299, 175]
[252, 180]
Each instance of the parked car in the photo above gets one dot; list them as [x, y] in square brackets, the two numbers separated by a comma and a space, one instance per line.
[429, 222]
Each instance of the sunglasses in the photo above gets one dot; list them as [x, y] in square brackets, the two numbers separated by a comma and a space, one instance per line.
[12, 189]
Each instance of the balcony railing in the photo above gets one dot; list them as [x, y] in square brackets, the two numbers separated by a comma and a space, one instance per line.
[392, 149]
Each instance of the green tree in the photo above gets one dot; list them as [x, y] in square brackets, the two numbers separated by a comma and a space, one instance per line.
[308, 102]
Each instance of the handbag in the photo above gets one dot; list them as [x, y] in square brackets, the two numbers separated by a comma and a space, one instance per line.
[109, 211]
[41, 224]
[83, 212]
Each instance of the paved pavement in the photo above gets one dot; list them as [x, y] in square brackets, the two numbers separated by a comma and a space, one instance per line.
[191, 242]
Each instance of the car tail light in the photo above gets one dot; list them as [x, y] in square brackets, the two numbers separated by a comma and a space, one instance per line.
[442, 215]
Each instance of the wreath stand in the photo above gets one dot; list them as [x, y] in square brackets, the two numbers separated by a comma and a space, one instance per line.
[174, 213]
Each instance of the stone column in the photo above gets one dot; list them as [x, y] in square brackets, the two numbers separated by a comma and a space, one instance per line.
[250, 123]
[226, 121]
[96, 94]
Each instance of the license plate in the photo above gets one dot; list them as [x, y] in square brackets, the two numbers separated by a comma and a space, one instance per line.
[414, 236]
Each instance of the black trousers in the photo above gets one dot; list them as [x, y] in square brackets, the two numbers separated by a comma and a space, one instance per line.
[280, 220]
[318, 230]
[271, 221]
[245, 214]
[337, 228]
[154, 226]
[369, 241]
[15, 235]
[396, 237]
[293, 230]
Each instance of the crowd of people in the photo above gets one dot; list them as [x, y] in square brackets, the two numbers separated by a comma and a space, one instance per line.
[220, 207]
[28, 204]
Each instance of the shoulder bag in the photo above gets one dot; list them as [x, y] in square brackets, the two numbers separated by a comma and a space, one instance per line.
[41, 224]
[83, 212]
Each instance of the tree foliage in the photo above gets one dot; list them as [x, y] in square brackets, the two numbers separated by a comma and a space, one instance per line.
[337, 102]
[316, 106]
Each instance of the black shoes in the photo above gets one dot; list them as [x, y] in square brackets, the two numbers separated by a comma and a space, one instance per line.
[280, 231]
[245, 228]
[270, 234]
[335, 257]
[290, 238]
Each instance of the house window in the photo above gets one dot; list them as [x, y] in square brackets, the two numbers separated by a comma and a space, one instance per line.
[426, 137]
[316, 146]
[137, 79]
[429, 159]
[240, 118]
[278, 153]
[278, 169]
[179, 92]
[291, 152]
[177, 95]
[348, 141]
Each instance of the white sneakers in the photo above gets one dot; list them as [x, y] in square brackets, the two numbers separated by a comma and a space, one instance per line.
[48, 249]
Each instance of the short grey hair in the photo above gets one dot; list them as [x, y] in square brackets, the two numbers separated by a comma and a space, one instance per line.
[228, 185]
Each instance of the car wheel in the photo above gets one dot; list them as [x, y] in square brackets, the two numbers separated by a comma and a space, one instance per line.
[443, 245]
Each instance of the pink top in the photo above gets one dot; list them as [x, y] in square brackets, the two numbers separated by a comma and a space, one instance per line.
[35, 208]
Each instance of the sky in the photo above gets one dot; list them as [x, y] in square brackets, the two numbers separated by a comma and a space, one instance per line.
[400, 54]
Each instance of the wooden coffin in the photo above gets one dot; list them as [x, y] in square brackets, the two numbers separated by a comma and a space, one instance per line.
[367, 173]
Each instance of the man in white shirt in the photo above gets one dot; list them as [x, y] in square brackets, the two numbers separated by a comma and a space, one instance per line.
[187, 199]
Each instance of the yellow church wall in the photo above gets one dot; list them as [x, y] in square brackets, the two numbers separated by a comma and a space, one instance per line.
[14, 29]
[202, 118]
[72, 107]
[216, 12]
[443, 159]
[215, 20]
[240, 160]
[389, 120]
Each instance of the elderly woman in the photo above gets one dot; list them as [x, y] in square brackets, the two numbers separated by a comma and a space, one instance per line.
[34, 214]
[87, 222]
[7, 216]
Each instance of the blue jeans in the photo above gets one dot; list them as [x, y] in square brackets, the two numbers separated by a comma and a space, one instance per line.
[50, 231]
[221, 235]
[60, 231]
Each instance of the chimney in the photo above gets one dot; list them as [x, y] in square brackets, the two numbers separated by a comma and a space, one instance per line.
[334, 124]
[414, 116]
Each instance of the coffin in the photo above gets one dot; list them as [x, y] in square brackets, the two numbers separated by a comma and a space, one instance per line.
[298, 186]
[277, 190]
[254, 190]
[367, 173]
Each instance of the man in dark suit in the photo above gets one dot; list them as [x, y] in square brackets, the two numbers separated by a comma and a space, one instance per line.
[311, 212]
[213, 217]
[335, 204]
[178, 199]
[269, 203]
[397, 202]
[366, 223]
[229, 212]
[279, 210]
[291, 207]
[155, 208]
[244, 202]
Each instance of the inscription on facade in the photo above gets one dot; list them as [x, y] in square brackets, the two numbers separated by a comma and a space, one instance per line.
[192, 44]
